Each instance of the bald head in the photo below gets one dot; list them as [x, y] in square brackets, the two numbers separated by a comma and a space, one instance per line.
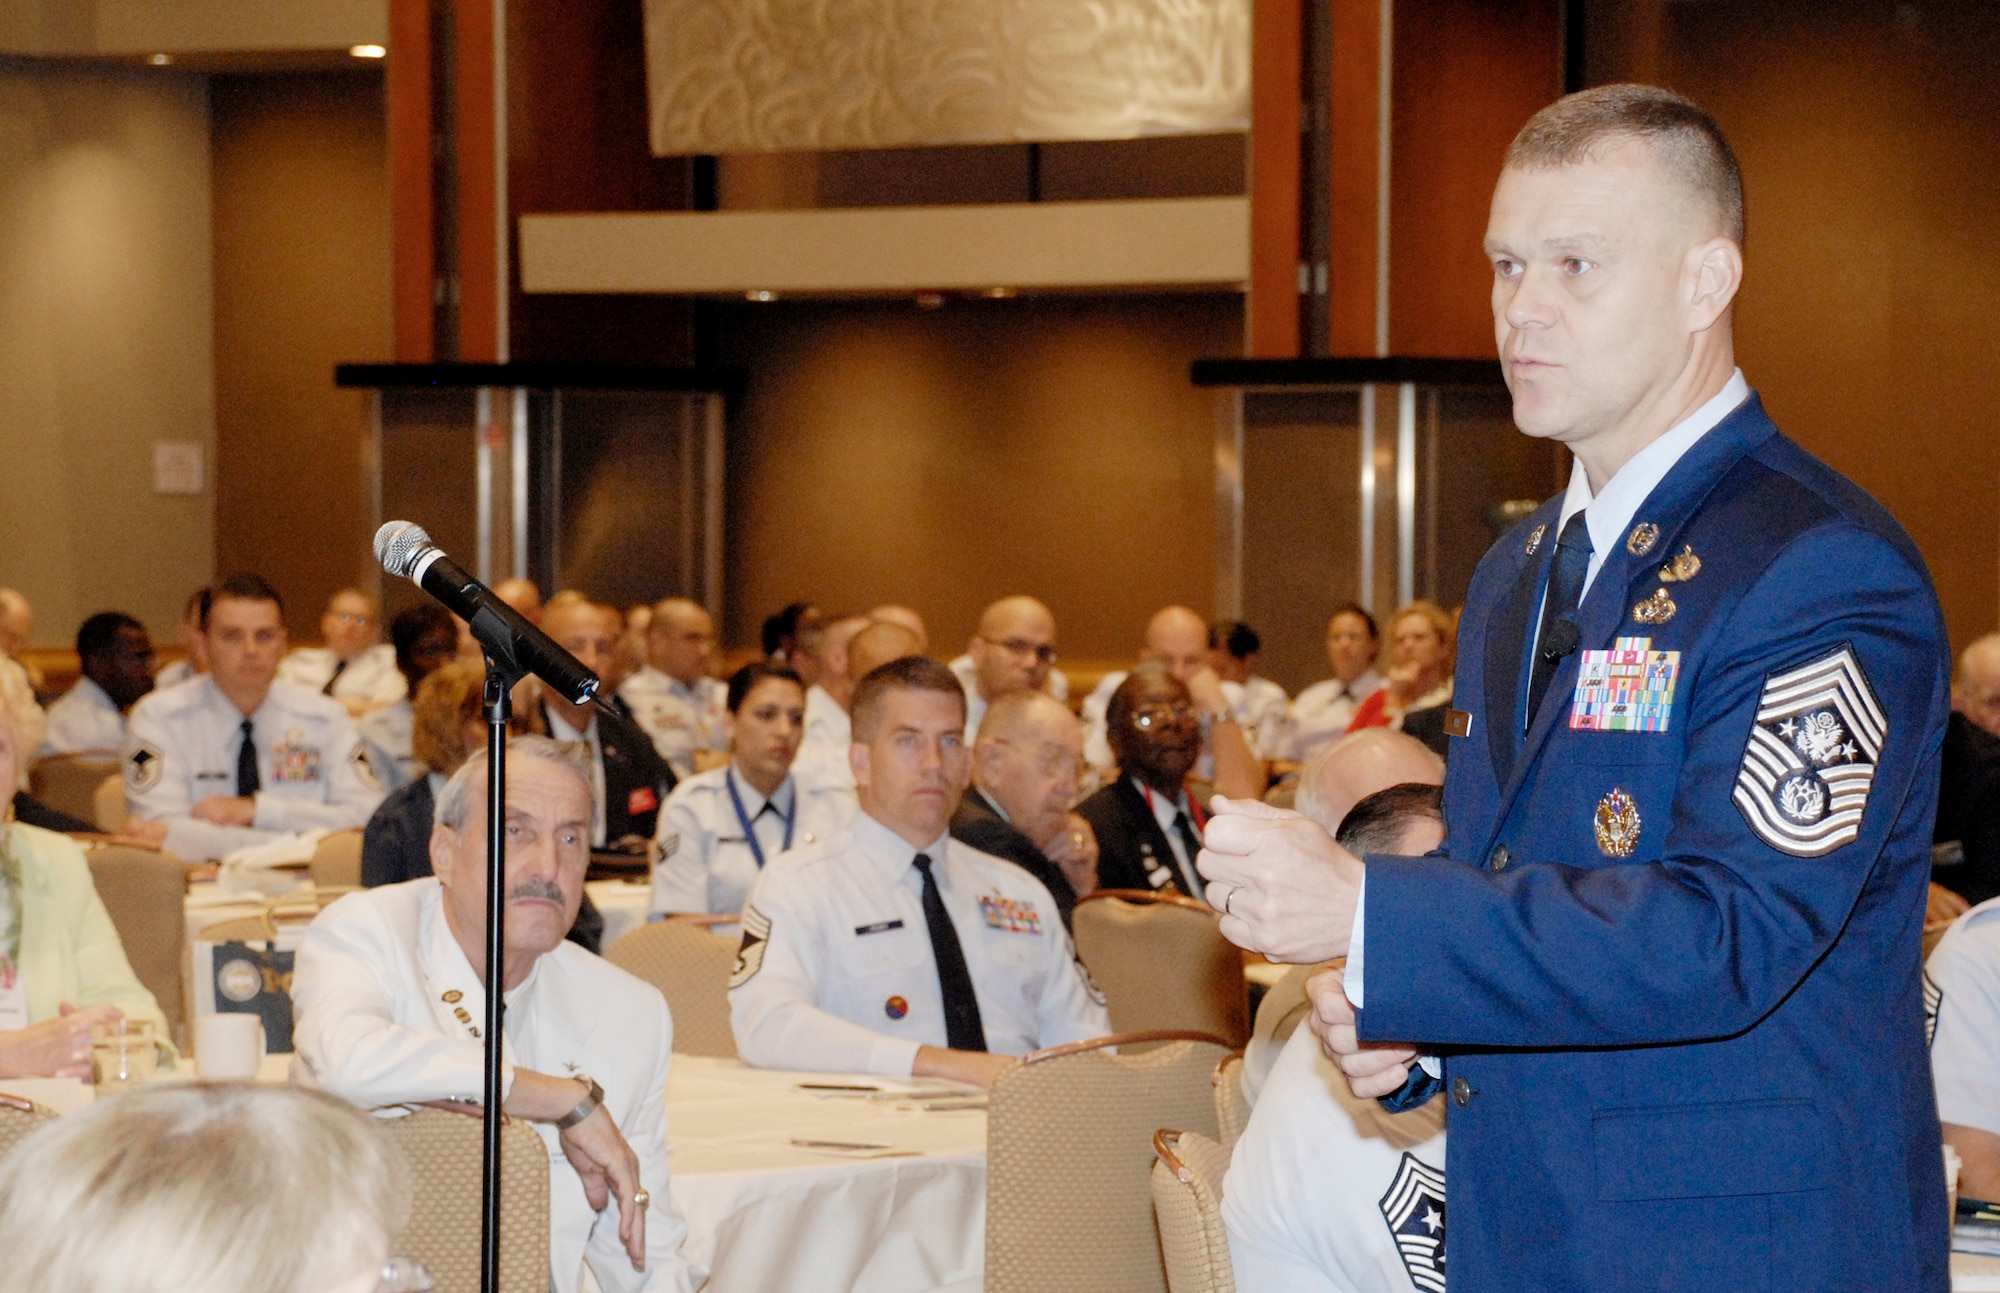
[680, 639]
[1014, 648]
[909, 619]
[1025, 715]
[1177, 638]
[523, 596]
[1975, 688]
[1358, 765]
[878, 644]
[1026, 760]
[17, 622]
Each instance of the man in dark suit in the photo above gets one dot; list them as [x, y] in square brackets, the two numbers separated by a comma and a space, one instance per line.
[1148, 831]
[1024, 774]
[1667, 965]
[630, 779]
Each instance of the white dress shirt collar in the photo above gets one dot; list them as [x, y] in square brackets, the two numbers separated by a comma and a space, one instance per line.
[783, 799]
[1608, 514]
[896, 854]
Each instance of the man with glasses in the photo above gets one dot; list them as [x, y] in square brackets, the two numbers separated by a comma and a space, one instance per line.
[1014, 650]
[117, 657]
[1148, 830]
[1024, 778]
[1177, 640]
[355, 667]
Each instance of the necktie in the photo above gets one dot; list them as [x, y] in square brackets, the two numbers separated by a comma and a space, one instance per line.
[962, 1029]
[1559, 633]
[338, 666]
[247, 780]
[1192, 843]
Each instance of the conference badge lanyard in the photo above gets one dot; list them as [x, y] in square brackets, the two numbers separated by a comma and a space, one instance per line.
[743, 818]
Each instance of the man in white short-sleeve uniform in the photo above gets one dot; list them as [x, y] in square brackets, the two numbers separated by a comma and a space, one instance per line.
[390, 993]
[355, 667]
[891, 948]
[1962, 998]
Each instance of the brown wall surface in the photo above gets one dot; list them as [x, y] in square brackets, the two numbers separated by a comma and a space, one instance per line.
[1050, 446]
[301, 248]
[1870, 314]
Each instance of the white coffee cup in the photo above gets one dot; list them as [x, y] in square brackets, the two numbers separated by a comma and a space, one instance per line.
[228, 1045]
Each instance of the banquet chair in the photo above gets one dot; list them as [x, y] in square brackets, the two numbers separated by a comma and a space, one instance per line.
[336, 863]
[1187, 1199]
[1232, 1107]
[1162, 962]
[1068, 1154]
[69, 783]
[690, 966]
[108, 805]
[19, 1117]
[143, 891]
[443, 1149]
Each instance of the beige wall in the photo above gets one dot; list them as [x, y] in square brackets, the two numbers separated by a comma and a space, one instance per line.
[105, 340]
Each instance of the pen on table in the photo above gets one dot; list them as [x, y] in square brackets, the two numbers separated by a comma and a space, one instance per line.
[803, 1143]
[834, 1086]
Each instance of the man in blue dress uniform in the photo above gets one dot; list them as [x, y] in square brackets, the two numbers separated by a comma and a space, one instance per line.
[1666, 965]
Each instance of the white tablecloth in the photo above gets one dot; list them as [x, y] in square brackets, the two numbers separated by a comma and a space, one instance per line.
[766, 1215]
[1974, 1274]
[623, 904]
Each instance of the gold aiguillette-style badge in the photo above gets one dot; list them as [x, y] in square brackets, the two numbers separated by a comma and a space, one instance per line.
[1644, 535]
[1535, 539]
[1617, 824]
[1657, 609]
[1682, 568]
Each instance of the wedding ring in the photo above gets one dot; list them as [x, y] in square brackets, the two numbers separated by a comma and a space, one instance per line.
[1228, 898]
[641, 1198]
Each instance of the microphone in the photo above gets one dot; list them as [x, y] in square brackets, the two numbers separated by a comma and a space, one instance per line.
[404, 549]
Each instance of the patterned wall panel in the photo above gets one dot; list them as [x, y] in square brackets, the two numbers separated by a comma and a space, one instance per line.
[735, 76]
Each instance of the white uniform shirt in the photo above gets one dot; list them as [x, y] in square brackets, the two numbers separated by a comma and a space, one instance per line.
[1319, 715]
[388, 1014]
[181, 747]
[1258, 706]
[975, 704]
[705, 864]
[822, 757]
[1962, 999]
[836, 972]
[680, 718]
[173, 674]
[83, 719]
[389, 733]
[371, 678]
[1328, 1193]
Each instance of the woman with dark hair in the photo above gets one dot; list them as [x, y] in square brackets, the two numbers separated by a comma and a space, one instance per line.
[720, 827]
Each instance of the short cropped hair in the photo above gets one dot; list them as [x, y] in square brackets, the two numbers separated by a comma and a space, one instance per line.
[227, 1187]
[1377, 823]
[1235, 637]
[1685, 139]
[1356, 608]
[455, 800]
[243, 588]
[98, 635]
[911, 673]
[745, 680]
[410, 626]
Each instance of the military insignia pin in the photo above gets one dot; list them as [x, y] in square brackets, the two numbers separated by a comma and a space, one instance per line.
[1617, 824]
[453, 996]
[1811, 758]
[1657, 609]
[1414, 1209]
[461, 1014]
[1535, 539]
[1681, 568]
[896, 1008]
[1644, 535]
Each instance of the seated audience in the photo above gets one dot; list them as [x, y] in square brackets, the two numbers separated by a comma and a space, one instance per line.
[780, 638]
[878, 644]
[629, 780]
[17, 695]
[117, 658]
[447, 723]
[522, 596]
[672, 697]
[17, 625]
[355, 667]
[1148, 830]
[1962, 1000]
[1327, 1192]
[821, 659]
[1419, 677]
[907, 618]
[1014, 650]
[1321, 713]
[890, 948]
[615, 669]
[194, 653]
[720, 828]
[425, 639]
[125, 1196]
[390, 990]
[1025, 767]
[235, 757]
[1177, 640]
[1257, 704]
[62, 967]
[1966, 858]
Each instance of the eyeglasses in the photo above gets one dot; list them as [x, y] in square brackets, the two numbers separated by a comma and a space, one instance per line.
[401, 1275]
[1152, 716]
[1041, 651]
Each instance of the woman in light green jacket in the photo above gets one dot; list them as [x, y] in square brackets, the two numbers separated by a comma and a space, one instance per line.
[62, 968]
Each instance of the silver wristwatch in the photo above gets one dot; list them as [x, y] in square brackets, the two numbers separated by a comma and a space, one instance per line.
[592, 1100]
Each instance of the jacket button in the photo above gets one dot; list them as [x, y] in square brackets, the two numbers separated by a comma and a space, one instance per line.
[1500, 857]
[1461, 1092]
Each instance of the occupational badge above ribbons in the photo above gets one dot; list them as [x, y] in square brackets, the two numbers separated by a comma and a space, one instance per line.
[1811, 757]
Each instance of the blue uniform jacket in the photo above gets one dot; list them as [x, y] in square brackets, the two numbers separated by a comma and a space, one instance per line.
[1700, 1065]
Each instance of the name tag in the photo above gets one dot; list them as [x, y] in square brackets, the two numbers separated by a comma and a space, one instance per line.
[879, 927]
[1629, 688]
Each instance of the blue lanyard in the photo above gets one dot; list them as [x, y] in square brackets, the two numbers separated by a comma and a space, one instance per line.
[749, 834]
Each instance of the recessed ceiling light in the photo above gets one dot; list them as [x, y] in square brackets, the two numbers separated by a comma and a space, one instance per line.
[760, 295]
[160, 60]
[369, 51]
[999, 293]
[930, 300]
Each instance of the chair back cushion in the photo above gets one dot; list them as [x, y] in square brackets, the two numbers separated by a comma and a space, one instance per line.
[17, 1124]
[142, 892]
[443, 1152]
[336, 863]
[68, 782]
[108, 805]
[1161, 965]
[1187, 1199]
[690, 967]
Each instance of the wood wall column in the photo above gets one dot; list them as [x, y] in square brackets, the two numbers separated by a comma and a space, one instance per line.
[1271, 328]
[412, 162]
[478, 86]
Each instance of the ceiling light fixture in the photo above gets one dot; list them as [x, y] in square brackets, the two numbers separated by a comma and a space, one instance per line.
[999, 293]
[760, 295]
[369, 51]
[160, 60]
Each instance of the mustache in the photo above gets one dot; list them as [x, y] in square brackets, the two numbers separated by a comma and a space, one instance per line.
[537, 889]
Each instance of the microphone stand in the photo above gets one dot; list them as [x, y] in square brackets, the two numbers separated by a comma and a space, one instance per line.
[499, 702]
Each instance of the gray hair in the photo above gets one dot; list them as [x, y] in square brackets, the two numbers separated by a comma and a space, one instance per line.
[455, 801]
[22, 718]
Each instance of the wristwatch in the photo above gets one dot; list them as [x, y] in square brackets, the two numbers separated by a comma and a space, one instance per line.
[592, 1100]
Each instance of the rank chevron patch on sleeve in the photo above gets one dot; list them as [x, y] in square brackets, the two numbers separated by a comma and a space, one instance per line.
[1810, 761]
[1414, 1209]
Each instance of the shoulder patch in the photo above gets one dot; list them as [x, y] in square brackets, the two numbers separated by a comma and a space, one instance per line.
[1810, 760]
[364, 767]
[1933, 1000]
[750, 953]
[670, 844]
[1414, 1209]
[144, 765]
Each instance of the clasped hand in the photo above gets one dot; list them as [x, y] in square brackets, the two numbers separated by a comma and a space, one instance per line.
[1373, 1069]
[1284, 887]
